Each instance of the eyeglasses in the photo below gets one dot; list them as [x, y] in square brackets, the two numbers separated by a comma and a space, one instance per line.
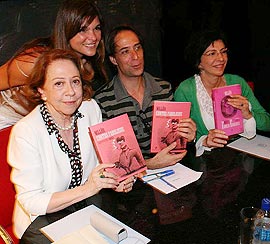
[215, 53]
[144, 119]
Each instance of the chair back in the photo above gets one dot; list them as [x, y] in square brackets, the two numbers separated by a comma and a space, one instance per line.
[7, 192]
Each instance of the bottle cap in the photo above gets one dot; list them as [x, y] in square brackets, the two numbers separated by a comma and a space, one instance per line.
[265, 203]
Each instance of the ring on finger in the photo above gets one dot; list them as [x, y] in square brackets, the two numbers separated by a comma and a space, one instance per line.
[101, 175]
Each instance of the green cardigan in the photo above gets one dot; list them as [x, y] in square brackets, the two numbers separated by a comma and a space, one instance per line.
[186, 91]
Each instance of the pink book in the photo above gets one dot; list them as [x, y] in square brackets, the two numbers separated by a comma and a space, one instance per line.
[227, 118]
[115, 142]
[166, 116]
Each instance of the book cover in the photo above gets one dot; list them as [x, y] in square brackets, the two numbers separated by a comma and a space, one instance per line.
[115, 142]
[166, 117]
[226, 117]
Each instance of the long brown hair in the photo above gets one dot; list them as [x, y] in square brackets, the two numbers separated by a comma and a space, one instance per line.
[70, 17]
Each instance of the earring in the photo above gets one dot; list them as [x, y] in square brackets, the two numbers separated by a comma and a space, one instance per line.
[43, 97]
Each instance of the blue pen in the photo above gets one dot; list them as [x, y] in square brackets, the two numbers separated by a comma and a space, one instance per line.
[161, 175]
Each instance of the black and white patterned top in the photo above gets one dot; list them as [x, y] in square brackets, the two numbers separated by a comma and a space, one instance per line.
[75, 154]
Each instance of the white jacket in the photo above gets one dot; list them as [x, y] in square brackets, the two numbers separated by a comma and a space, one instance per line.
[40, 167]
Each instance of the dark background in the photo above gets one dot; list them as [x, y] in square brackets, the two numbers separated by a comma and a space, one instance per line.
[166, 26]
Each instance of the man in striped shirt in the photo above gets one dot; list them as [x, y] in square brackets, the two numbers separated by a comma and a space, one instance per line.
[132, 91]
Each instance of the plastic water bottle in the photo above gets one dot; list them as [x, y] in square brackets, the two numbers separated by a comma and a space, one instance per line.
[261, 233]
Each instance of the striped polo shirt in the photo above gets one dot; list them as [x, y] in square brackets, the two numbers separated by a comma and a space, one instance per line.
[114, 100]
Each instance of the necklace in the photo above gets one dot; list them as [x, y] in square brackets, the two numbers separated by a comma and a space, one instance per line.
[70, 127]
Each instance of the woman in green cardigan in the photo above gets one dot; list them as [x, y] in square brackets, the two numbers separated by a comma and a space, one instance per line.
[226, 170]
[208, 52]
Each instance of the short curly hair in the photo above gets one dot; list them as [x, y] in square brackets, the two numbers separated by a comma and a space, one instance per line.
[38, 75]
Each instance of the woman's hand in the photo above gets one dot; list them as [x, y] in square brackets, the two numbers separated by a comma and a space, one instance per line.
[241, 103]
[126, 185]
[165, 158]
[99, 179]
[187, 129]
[215, 138]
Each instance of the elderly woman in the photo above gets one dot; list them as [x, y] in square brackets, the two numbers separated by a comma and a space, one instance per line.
[54, 164]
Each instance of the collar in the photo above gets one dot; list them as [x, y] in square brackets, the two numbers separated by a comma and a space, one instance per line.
[151, 87]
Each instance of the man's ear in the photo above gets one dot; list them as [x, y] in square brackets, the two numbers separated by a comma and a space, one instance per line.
[113, 60]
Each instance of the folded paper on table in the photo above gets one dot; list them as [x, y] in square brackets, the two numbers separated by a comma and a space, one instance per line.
[258, 146]
[108, 227]
[181, 177]
[77, 226]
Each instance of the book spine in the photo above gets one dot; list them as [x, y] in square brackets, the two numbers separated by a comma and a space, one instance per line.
[215, 109]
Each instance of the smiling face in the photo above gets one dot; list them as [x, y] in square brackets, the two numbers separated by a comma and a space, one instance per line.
[86, 41]
[62, 89]
[214, 59]
[128, 56]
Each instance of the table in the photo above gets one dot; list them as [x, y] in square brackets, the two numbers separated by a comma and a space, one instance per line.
[210, 206]
[219, 199]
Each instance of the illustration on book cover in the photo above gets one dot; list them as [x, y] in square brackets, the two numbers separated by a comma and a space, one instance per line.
[115, 142]
[129, 159]
[166, 118]
[173, 135]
